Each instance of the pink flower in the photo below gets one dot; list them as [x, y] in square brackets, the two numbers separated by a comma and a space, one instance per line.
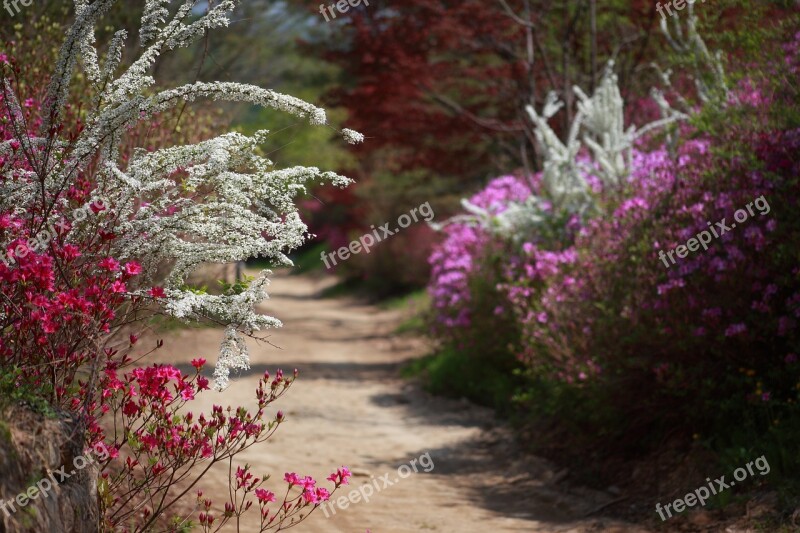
[308, 483]
[242, 476]
[118, 286]
[110, 264]
[187, 393]
[311, 496]
[130, 409]
[264, 495]
[198, 363]
[70, 252]
[157, 292]
[291, 478]
[132, 268]
[735, 329]
[207, 451]
[341, 476]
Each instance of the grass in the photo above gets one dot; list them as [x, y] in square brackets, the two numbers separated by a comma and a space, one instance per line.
[14, 391]
[417, 305]
[458, 374]
[308, 259]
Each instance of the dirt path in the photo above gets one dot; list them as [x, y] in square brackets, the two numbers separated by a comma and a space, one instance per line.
[350, 407]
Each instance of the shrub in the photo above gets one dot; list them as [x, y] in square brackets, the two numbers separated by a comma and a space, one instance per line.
[100, 232]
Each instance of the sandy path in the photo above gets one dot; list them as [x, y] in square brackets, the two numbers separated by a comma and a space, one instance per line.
[350, 407]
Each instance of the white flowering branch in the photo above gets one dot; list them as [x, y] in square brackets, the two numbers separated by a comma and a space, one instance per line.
[597, 128]
[709, 73]
[216, 201]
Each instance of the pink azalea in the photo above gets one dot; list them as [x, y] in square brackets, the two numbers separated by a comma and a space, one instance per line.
[132, 268]
[157, 292]
[264, 495]
[118, 286]
[110, 264]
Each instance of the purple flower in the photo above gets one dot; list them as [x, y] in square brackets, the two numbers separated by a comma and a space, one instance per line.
[735, 329]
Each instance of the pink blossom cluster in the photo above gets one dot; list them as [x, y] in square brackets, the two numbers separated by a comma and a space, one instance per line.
[600, 306]
[456, 258]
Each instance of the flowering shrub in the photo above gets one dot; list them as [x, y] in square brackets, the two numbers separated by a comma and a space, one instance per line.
[169, 449]
[99, 232]
[457, 257]
[603, 327]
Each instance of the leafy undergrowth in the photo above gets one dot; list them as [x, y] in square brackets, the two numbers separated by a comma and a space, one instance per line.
[452, 373]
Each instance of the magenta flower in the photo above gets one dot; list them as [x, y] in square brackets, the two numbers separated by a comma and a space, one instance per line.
[132, 268]
[110, 264]
[118, 286]
[157, 292]
[341, 476]
[265, 496]
[735, 329]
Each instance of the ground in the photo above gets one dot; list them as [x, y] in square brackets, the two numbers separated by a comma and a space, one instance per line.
[350, 407]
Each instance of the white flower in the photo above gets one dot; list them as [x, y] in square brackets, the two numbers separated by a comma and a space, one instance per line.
[161, 222]
[352, 137]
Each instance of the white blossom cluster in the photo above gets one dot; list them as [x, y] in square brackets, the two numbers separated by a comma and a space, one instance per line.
[216, 201]
[598, 144]
[709, 73]
[599, 126]
[598, 129]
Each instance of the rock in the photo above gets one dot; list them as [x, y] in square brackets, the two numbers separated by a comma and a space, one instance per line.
[31, 447]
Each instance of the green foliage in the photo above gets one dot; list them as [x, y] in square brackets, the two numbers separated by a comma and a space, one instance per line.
[15, 391]
[237, 287]
[479, 364]
[455, 373]
[308, 259]
[416, 306]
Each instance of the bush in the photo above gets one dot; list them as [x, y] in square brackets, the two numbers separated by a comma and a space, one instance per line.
[620, 346]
